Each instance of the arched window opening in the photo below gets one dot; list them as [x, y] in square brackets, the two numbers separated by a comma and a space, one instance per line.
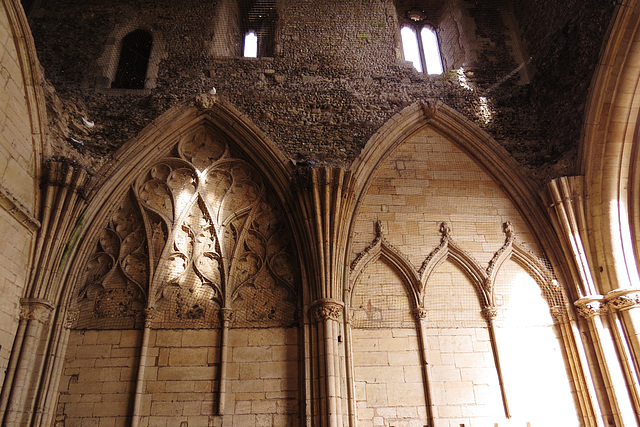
[411, 47]
[423, 51]
[260, 18]
[134, 61]
[431, 49]
[250, 45]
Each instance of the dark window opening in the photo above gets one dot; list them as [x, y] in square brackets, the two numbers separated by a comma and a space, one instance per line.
[134, 61]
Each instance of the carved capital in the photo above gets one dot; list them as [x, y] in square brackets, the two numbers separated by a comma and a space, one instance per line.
[591, 307]
[489, 312]
[226, 314]
[71, 320]
[623, 300]
[558, 313]
[36, 309]
[326, 310]
[150, 314]
[420, 313]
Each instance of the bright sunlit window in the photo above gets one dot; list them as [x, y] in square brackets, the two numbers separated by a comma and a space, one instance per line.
[431, 50]
[423, 51]
[410, 47]
[250, 45]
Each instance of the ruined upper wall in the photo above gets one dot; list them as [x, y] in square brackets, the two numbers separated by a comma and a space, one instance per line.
[333, 78]
[564, 40]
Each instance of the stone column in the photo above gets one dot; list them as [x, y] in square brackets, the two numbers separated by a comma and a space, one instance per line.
[595, 310]
[325, 209]
[577, 360]
[35, 318]
[226, 315]
[328, 316]
[420, 315]
[144, 361]
[624, 306]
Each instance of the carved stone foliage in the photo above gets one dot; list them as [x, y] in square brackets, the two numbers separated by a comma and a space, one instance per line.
[212, 237]
[116, 276]
[264, 293]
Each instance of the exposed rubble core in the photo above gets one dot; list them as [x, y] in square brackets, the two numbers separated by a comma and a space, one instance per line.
[321, 100]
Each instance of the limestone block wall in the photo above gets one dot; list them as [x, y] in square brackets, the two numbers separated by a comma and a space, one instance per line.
[425, 181]
[98, 378]
[17, 185]
[263, 377]
[181, 385]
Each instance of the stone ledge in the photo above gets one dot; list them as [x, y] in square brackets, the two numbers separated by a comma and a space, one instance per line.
[17, 210]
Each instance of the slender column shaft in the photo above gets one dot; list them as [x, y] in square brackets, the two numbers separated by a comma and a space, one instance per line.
[226, 314]
[37, 315]
[140, 379]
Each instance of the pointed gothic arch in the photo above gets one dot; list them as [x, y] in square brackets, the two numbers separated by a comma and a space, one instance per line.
[379, 249]
[610, 154]
[480, 147]
[155, 142]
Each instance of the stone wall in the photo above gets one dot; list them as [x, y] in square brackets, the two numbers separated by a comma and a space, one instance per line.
[336, 77]
[422, 182]
[182, 379]
[17, 180]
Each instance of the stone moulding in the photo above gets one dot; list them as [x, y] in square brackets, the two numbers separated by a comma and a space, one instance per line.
[19, 212]
[326, 309]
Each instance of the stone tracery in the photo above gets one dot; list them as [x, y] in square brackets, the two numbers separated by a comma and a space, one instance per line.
[202, 233]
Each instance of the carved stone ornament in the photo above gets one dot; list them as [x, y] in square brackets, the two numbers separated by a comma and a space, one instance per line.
[206, 101]
[591, 308]
[625, 301]
[430, 108]
[36, 309]
[420, 313]
[326, 310]
[489, 313]
[226, 314]
[558, 313]
[150, 313]
[71, 320]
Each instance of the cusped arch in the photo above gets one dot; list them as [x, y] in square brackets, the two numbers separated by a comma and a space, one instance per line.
[450, 251]
[400, 264]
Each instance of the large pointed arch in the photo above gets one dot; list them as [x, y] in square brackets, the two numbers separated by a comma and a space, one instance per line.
[153, 143]
[480, 146]
[610, 153]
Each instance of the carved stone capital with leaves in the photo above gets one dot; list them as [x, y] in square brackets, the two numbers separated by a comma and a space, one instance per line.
[559, 313]
[420, 313]
[627, 300]
[226, 315]
[71, 319]
[326, 310]
[36, 309]
[489, 312]
[590, 308]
